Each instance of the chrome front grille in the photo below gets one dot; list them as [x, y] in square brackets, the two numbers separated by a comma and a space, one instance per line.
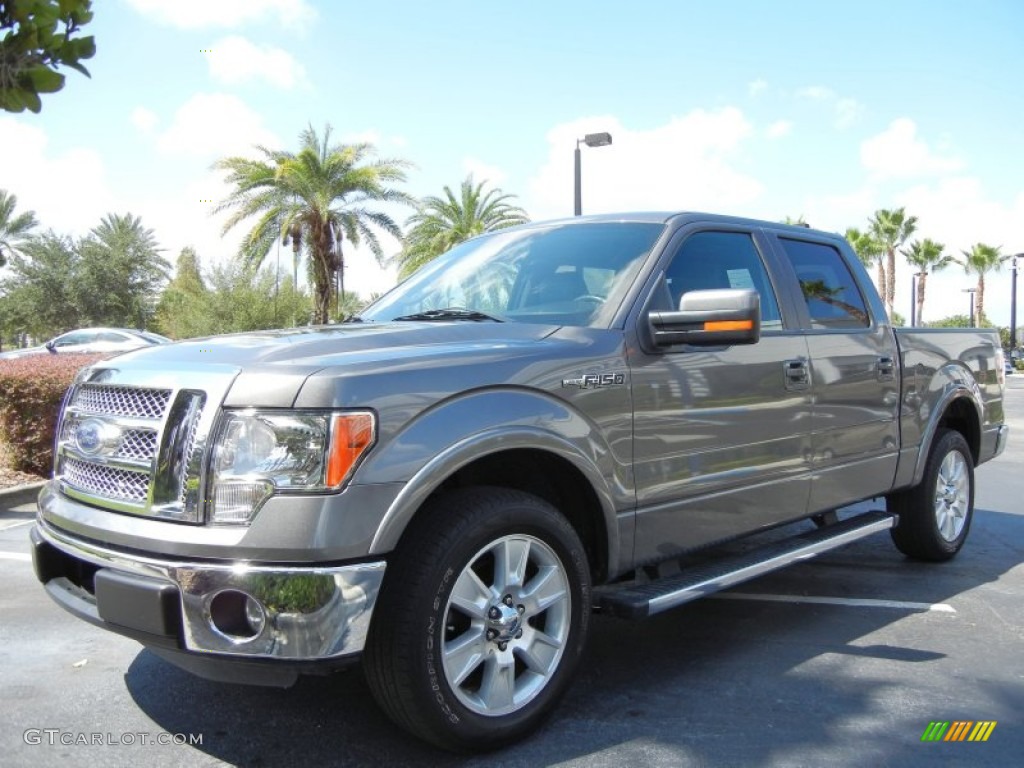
[106, 482]
[139, 444]
[133, 449]
[123, 401]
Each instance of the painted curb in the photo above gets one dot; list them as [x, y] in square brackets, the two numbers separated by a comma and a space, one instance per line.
[20, 494]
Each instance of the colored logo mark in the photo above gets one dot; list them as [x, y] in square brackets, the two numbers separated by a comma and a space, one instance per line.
[958, 730]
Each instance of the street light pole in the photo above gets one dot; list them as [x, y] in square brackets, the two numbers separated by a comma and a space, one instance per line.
[591, 140]
[1013, 303]
[578, 201]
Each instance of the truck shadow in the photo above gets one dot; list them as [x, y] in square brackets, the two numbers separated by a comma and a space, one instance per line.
[717, 682]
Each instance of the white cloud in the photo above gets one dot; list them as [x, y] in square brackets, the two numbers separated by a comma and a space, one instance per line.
[779, 128]
[236, 60]
[199, 14]
[144, 119]
[215, 125]
[816, 93]
[754, 87]
[67, 190]
[897, 152]
[684, 164]
[481, 171]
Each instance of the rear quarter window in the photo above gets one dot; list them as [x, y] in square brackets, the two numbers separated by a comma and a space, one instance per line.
[829, 290]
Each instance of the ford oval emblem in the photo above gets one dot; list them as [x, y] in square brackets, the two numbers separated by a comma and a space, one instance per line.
[89, 436]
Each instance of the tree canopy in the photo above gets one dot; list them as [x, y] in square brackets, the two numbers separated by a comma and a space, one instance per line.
[314, 199]
[890, 229]
[39, 37]
[14, 229]
[980, 260]
[110, 277]
[926, 256]
[230, 299]
[441, 223]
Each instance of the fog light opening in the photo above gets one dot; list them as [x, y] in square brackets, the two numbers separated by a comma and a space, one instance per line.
[236, 615]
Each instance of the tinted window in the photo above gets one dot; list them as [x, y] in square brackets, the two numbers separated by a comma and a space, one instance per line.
[711, 260]
[833, 299]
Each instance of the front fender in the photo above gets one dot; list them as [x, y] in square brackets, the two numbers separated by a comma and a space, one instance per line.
[462, 429]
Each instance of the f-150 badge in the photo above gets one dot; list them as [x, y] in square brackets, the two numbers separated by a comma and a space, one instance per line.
[595, 380]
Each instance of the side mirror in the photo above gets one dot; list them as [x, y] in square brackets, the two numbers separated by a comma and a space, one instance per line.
[51, 346]
[709, 319]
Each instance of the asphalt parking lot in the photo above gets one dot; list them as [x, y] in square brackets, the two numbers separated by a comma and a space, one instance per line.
[840, 661]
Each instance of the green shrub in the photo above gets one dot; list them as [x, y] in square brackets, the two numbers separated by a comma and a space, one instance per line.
[31, 391]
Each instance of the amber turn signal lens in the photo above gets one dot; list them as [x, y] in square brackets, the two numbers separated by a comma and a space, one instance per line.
[351, 435]
[729, 325]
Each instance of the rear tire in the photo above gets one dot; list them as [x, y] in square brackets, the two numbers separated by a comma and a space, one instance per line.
[481, 621]
[935, 516]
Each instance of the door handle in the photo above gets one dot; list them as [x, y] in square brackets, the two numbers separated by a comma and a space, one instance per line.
[797, 374]
[886, 368]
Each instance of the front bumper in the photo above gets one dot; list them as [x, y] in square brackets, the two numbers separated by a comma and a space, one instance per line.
[234, 610]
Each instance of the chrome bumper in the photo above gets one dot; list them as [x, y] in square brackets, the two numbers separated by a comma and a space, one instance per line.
[1001, 437]
[233, 609]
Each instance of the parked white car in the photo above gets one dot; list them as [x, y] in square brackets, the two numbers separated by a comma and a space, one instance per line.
[92, 340]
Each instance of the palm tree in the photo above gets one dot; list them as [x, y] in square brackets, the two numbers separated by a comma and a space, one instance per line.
[315, 198]
[891, 228]
[928, 256]
[121, 271]
[14, 230]
[799, 221]
[979, 260]
[869, 251]
[440, 224]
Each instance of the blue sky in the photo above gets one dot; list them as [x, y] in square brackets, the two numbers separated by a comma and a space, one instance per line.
[767, 109]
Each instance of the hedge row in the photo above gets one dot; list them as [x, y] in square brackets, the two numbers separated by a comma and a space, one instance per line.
[31, 391]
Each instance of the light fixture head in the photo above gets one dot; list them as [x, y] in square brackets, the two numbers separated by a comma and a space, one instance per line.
[597, 139]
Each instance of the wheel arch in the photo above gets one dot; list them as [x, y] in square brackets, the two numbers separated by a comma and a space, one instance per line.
[961, 411]
[527, 459]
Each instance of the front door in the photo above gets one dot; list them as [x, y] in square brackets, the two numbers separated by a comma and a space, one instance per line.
[721, 435]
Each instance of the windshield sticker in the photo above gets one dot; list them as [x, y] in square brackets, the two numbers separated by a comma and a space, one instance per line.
[740, 278]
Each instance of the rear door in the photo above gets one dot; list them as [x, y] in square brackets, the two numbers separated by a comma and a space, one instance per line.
[721, 434]
[853, 372]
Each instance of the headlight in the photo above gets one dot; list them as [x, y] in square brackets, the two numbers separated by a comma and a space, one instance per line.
[258, 453]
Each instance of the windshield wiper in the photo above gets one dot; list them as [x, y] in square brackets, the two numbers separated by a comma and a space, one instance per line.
[451, 313]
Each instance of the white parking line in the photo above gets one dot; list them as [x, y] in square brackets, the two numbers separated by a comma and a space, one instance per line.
[15, 556]
[860, 602]
[15, 525]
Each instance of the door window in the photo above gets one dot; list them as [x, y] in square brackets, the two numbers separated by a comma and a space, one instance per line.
[832, 297]
[711, 260]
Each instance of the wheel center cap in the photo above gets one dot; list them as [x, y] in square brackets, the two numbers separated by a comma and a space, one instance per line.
[503, 619]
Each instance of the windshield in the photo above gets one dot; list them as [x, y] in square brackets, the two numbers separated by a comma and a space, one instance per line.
[565, 274]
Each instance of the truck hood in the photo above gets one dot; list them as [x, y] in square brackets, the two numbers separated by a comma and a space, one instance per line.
[272, 366]
[328, 345]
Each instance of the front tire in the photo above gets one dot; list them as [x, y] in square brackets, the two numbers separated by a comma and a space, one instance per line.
[935, 516]
[481, 621]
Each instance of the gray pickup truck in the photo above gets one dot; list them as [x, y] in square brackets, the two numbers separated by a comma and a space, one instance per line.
[546, 421]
